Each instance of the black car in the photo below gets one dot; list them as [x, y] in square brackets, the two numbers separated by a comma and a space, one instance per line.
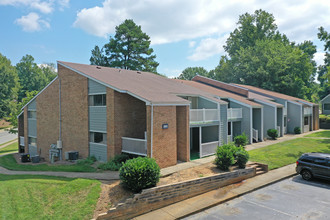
[311, 165]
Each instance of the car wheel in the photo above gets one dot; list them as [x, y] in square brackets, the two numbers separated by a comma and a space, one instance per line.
[306, 174]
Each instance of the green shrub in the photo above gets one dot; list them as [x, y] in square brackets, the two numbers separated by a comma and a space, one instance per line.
[115, 163]
[88, 161]
[241, 140]
[297, 130]
[224, 156]
[139, 173]
[273, 133]
[324, 118]
[242, 157]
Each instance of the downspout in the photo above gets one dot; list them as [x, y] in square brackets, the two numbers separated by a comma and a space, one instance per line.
[152, 126]
[59, 142]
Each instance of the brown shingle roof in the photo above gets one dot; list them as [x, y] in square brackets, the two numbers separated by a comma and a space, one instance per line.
[273, 94]
[146, 86]
[219, 92]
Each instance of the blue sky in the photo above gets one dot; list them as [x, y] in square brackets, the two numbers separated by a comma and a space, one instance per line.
[183, 33]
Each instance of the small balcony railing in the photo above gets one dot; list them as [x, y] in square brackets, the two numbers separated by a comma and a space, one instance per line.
[134, 146]
[285, 111]
[308, 111]
[208, 148]
[198, 116]
[255, 134]
[234, 113]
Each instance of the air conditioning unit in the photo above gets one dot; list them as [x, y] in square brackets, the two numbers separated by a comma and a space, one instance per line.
[71, 155]
[25, 158]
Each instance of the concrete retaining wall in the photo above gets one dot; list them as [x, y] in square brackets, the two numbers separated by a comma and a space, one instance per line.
[157, 197]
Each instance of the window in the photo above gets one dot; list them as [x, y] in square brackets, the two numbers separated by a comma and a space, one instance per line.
[32, 141]
[306, 121]
[32, 114]
[320, 162]
[326, 106]
[285, 121]
[97, 100]
[229, 128]
[97, 137]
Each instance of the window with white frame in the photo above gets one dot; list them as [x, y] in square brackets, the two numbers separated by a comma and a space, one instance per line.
[98, 137]
[97, 100]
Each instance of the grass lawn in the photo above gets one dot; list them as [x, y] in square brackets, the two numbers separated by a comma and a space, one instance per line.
[9, 162]
[12, 148]
[282, 154]
[46, 197]
[325, 134]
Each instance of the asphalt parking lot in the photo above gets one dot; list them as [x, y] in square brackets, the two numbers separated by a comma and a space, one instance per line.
[293, 198]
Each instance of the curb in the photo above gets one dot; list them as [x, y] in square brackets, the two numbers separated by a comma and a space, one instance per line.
[237, 196]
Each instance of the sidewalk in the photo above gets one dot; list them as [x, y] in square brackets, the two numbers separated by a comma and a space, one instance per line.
[216, 197]
[108, 175]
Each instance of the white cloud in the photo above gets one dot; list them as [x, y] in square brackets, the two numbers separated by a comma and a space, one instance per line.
[44, 6]
[192, 43]
[208, 47]
[32, 22]
[176, 20]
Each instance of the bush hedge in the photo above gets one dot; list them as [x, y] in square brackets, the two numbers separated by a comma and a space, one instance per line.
[241, 140]
[297, 130]
[139, 173]
[242, 157]
[115, 163]
[273, 133]
[225, 156]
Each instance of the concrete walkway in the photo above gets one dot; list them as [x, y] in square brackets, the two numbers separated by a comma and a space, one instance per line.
[9, 143]
[221, 195]
[108, 175]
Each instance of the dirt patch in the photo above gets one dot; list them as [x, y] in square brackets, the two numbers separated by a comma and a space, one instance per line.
[113, 193]
[4, 124]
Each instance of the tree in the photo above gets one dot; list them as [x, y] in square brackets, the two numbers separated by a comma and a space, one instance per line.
[191, 72]
[49, 71]
[128, 49]
[251, 28]
[18, 106]
[31, 77]
[98, 58]
[8, 86]
[324, 70]
[259, 55]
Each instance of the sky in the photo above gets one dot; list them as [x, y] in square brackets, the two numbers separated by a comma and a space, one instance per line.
[184, 33]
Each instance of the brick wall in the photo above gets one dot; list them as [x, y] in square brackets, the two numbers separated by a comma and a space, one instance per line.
[127, 118]
[182, 120]
[74, 104]
[157, 197]
[164, 146]
[47, 119]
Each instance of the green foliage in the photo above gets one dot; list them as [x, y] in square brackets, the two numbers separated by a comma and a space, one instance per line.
[32, 77]
[17, 110]
[115, 163]
[324, 118]
[9, 162]
[260, 56]
[224, 156]
[47, 197]
[8, 86]
[88, 161]
[273, 133]
[191, 72]
[324, 70]
[297, 130]
[242, 157]
[241, 140]
[139, 173]
[128, 49]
